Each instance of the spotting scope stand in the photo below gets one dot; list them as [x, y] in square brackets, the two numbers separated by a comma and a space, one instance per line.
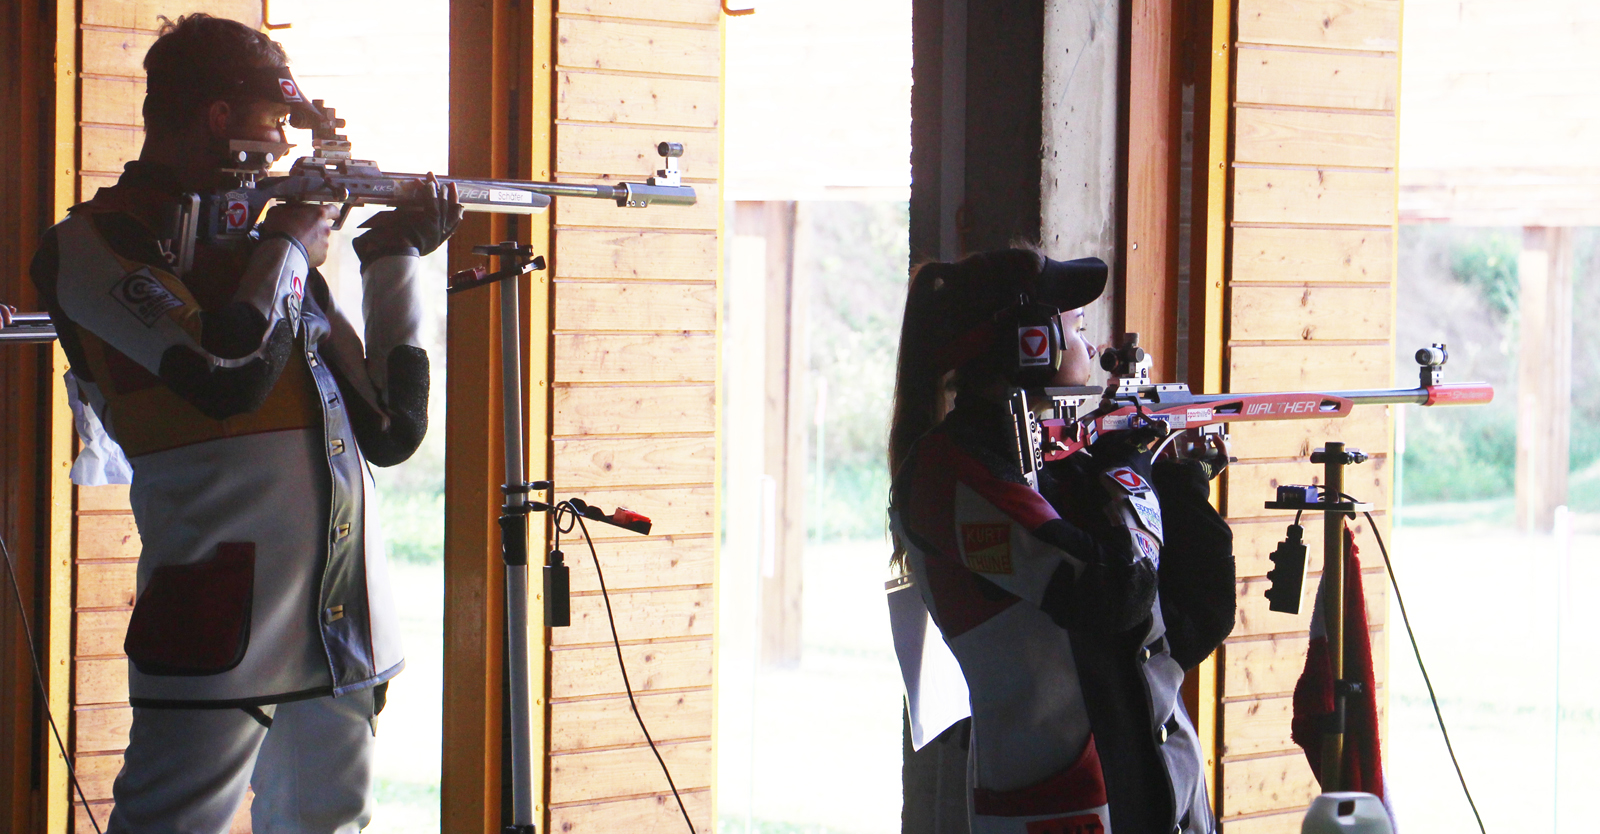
[1335, 508]
[516, 260]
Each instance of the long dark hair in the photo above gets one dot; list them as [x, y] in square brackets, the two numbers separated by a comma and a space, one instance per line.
[945, 302]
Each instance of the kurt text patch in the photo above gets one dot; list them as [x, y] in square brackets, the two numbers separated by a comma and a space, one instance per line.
[144, 296]
[987, 547]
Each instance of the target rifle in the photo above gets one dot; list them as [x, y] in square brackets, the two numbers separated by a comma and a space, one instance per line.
[332, 176]
[1069, 419]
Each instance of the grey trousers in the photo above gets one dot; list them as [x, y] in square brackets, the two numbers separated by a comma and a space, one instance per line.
[185, 770]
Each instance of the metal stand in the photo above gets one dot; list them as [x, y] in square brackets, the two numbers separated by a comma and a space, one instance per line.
[1334, 507]
[516, 260]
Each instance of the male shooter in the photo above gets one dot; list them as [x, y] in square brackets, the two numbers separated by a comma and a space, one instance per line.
[264, 633]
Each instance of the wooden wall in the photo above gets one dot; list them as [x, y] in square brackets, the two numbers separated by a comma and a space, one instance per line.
[1310, 270]
[112, 38]
[633, 411]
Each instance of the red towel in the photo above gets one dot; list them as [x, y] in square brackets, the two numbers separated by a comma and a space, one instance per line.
[1313, 694]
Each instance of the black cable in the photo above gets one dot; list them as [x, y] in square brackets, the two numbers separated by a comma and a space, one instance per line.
[616, 643]
[1412, 636]
[38, 678]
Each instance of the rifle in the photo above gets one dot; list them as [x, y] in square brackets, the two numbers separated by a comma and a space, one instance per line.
[1079, 416]
[331, 176]
[28, 328]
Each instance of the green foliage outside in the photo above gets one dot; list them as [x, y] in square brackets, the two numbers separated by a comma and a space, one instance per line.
[1489, 265]
[855, 257]
[1462, 285]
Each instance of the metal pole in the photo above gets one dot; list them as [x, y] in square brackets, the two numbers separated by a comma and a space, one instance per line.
[1333, 610]
[514, 524]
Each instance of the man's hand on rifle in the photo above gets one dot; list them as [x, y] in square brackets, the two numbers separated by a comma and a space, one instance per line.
[6, 312]
[413, 230]
[305, 222]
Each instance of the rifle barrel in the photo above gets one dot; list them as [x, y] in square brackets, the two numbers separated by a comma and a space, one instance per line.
[1451, 393]
[28, 328]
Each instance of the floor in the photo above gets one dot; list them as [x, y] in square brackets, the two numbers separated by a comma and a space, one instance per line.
[1484, 600]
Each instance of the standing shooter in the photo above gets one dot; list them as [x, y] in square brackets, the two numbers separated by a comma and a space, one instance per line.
[264, 634]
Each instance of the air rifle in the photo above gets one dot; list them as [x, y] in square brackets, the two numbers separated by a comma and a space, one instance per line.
[1079, 416]
[330, 175]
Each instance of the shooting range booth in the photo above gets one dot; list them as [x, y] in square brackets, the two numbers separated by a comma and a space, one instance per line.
[1234, 160]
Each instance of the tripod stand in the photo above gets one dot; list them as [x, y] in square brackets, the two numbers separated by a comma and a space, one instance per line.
[516, 260]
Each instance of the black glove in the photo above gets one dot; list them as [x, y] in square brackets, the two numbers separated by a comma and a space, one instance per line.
[413, 230]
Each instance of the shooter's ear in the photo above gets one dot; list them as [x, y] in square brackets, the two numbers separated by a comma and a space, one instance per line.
[218, 115]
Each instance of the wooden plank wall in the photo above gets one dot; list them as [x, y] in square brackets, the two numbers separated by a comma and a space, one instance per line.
[1310, 303]
[634, 412]
[112, 39]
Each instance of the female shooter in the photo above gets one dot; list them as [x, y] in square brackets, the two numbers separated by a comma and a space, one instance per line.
[1072, 610]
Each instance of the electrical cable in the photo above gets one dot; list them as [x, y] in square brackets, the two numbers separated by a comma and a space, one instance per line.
[38, 678]
[616, 642]
[1416, 650]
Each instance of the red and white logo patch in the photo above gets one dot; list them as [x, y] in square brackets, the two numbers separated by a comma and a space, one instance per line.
[237, 215]
[1033, 346]
[290, 91]
[1129, 480]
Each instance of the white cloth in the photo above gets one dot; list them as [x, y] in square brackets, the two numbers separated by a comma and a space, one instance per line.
[100, 461]
[185, 770]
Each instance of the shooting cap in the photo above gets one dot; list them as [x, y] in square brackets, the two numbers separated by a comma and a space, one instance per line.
[1068, 285]
[277, 85]
[1011, 297]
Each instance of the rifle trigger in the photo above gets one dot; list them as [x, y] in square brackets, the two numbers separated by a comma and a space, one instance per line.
[344, 214]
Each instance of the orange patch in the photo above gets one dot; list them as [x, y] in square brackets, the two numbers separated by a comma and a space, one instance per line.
[987, 547]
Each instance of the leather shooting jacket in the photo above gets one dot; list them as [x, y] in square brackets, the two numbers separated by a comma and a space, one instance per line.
[1073, 612]
[248, 406]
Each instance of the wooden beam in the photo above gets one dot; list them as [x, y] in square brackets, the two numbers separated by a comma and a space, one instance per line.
[501, 125]
[785, 429]
[1147, 298]
[1544, 388]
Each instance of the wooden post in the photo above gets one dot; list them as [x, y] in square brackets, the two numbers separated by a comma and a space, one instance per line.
[1147, 300]
[499, 89]
[784, 437]
[1544, 381]
[38, 69]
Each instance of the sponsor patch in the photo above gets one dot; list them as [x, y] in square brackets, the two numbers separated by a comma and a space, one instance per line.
[1075, 824]
[1130, 481]
[1200, 415]
[291, 92]
[238, 215]
[144, 296]
[987, 547]
[1116, 422]
[1033, 346]
[1149, 512]
[1147, 546]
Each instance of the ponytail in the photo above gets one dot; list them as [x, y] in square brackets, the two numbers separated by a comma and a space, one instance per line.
[918, 381]
[944, 306]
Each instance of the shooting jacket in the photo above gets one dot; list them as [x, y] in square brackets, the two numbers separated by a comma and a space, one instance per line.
[1073, 611]
[248, 407]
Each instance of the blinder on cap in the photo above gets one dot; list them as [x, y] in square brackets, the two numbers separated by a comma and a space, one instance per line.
[277, 85]
[1068, 285]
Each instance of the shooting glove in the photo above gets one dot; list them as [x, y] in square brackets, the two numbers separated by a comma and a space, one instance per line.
[413, 230]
